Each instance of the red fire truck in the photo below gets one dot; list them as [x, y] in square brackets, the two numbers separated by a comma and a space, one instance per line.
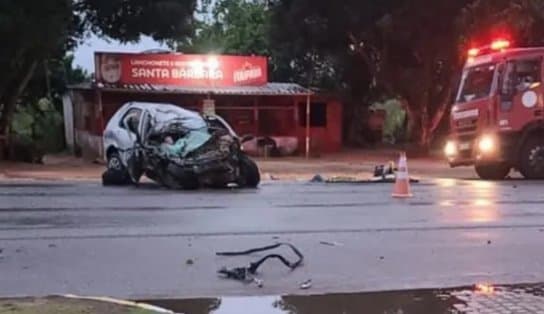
[497, 119]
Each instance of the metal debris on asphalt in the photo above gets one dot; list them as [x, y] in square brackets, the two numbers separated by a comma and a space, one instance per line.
[306, 285]
[247, 273]
[258, 282]
[331, 243]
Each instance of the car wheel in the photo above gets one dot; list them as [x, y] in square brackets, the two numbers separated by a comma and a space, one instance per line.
[114, 162]
[115, 174]
[532, 159]
[497, 171]
[249, 172]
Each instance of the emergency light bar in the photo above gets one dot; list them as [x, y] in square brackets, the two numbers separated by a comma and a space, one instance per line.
[497, 45]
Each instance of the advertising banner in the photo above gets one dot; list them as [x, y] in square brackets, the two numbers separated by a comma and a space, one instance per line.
[180, 69]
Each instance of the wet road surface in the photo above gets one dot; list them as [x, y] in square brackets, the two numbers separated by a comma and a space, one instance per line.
[151, 243]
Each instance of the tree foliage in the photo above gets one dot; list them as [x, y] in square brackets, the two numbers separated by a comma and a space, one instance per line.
[230, 27]
[409, 50]
[127, 20]
[35, 32]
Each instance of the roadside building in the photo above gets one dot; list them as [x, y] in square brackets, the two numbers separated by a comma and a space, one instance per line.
[291, 117]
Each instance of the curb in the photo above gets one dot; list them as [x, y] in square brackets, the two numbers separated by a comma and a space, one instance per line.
[142, 306]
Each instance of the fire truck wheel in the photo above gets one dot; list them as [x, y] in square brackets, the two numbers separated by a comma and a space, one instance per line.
[532, 159]
[492, 171]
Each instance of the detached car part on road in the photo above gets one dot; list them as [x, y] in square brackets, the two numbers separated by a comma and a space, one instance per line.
[174, 147]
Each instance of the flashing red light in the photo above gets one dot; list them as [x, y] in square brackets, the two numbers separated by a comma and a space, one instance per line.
[473, 52]
[500, 44]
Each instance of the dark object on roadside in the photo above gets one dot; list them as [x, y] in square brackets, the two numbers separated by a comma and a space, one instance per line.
[381, 257]
[383, 171]
[189, 262]
[306, 285]
[247, 274]
[52, 245]
[1, 250]
[112, 177]
[488, 241]
[317, 179]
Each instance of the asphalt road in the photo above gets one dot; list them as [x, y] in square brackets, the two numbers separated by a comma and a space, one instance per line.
[83, 238]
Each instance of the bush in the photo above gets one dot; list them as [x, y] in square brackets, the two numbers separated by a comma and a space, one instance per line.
[36, 129]
[394, 130]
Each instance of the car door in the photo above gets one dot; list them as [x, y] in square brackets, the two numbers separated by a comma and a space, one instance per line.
[135, 158]
[125, 138]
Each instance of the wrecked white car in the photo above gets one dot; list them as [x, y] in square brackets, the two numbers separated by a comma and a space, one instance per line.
[174, 147]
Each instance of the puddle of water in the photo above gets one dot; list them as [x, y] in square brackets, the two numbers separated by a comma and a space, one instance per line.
[494, 299]
[416, 302]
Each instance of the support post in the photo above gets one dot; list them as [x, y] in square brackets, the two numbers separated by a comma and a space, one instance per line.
[307, 126]
[101, 123]
[255, 116]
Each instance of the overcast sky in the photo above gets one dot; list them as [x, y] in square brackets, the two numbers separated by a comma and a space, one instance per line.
[83, 56]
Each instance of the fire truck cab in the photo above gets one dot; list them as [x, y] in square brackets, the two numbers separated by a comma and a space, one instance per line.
[497, 119]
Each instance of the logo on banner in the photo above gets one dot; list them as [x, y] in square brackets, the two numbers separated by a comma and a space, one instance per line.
[111, 68]
[248, 73]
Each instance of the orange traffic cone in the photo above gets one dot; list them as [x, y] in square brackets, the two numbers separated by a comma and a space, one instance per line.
[402, 181]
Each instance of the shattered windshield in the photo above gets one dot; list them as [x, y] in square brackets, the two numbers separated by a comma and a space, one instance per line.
[476, 82]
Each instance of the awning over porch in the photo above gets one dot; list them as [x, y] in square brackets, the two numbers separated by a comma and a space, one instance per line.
[269, 89]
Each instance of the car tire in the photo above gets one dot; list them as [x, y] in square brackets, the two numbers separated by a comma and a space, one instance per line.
[495, 171]
[112, 178]
[116, 173]
[249, 172]
[532, 159]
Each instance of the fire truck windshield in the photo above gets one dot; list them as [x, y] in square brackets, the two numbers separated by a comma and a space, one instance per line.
[476, 82]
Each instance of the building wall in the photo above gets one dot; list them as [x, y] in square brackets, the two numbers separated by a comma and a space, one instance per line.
[277, 116]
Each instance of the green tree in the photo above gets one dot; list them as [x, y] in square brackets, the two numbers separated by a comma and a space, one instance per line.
[229, 27]
[32, 32]
[51, 79]
[408, 50]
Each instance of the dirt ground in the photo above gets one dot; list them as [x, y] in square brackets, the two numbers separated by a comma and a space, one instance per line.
[60, 305]
[353, 163]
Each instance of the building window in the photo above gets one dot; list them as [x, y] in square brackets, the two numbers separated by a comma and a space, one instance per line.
[318, 114]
